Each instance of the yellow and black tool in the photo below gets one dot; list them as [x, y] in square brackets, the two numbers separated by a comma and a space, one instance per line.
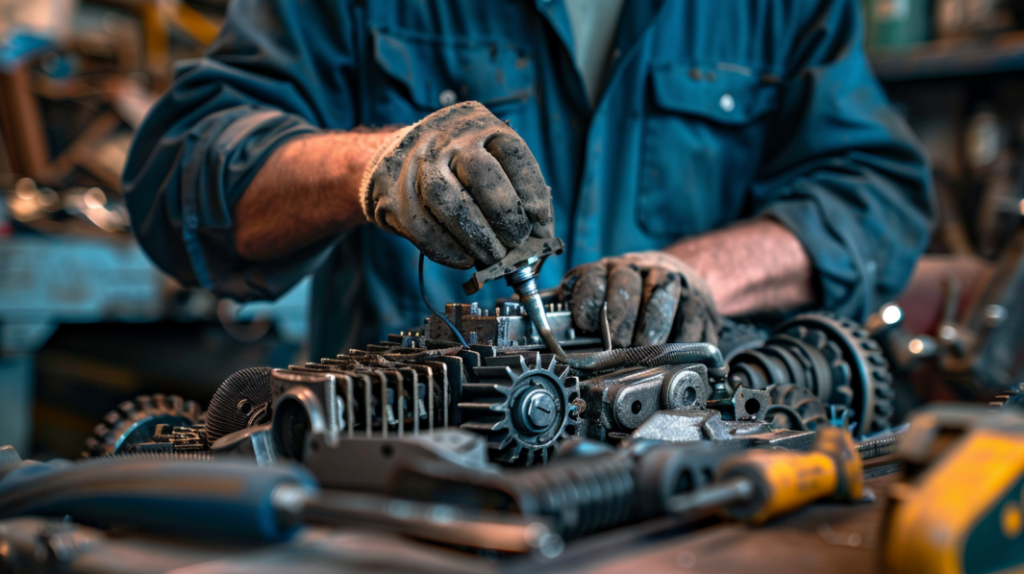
[961, 506]
[758, 485]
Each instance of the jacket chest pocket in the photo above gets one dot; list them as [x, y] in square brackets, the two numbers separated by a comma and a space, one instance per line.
[701, 144]
[418, 73]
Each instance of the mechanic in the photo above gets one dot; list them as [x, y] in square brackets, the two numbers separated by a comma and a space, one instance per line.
[703, 158]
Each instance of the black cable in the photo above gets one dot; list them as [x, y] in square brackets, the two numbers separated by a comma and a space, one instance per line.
[441, 316]
[790, 412]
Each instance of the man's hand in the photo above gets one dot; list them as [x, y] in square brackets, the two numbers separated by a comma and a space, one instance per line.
[652, 298]
[461, 185]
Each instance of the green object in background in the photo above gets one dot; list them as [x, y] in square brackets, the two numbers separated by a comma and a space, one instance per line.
[897, 24]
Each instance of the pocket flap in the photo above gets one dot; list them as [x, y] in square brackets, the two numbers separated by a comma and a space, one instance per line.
[721, 95]
[438, 71]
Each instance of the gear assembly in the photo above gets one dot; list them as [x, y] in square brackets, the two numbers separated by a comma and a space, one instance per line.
[525, 381]
[715, 361]
[506, 418]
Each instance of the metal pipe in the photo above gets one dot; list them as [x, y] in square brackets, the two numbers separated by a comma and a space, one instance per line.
[731, 491]
[524, 283]
[656, 355]
[434, 522]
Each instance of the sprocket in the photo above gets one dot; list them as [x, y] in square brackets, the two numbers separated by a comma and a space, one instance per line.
[135, 421]
[522, 407]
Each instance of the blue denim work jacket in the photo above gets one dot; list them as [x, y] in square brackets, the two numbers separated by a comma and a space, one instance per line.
[713, 111]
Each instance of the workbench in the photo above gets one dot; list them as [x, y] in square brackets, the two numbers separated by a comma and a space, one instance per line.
[825, 537]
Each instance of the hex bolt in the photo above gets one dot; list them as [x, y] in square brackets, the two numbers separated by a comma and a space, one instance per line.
[536, 411]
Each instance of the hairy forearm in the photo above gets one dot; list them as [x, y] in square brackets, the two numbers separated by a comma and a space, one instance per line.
[751, 266]
[306, 191]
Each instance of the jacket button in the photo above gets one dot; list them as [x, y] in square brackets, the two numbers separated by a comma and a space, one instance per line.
[447, 97]
[727, 103]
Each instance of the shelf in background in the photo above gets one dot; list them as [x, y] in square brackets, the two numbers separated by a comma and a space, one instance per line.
[952, 58]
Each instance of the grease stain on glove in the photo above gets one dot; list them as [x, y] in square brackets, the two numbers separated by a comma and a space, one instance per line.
[461, 185]
[653, 298]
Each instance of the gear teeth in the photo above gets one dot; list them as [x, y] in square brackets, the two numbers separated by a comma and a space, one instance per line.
[505, 442]
[130, 422]
[842, 396]
[501, 384]
[864, 379]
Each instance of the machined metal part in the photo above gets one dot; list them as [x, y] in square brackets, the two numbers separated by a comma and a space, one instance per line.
[685, 388]
[524, 282]
[441, 523]
[256, 442]
[505, 326]
[306, 406]
[521, 405]
[519, 268]
[794, 406]
[595, 491]
[745, 404]
[694, 425]
[370, 464]
[731, 491]
[830, 357]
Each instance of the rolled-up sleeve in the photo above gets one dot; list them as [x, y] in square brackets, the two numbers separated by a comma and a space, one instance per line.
[844, 172]
[278, 69]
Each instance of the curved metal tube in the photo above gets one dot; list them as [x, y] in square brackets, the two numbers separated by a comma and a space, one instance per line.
[535, 311]
[656, 355]
[523, 281]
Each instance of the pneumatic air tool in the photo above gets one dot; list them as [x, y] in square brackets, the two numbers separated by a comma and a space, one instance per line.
[520, 268]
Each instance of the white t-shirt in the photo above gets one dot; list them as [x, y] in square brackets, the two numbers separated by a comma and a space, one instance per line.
[593, 25]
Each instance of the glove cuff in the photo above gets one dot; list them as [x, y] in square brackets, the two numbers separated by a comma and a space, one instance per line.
[366, 185]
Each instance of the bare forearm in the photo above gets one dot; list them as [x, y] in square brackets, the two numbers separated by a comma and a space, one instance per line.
[751, 266]
[307, 190]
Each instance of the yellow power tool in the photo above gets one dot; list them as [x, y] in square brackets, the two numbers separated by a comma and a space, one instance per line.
[961, 505]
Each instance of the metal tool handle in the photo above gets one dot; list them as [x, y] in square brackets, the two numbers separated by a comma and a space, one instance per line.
[435, 522]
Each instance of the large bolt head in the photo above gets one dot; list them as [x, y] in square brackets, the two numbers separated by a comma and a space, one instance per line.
[536, 411]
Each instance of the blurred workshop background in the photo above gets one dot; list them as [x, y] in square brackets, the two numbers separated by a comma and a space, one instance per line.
[86, 321]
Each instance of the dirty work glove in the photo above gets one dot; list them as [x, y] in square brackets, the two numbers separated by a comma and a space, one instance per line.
[653, 298]
[461, 185]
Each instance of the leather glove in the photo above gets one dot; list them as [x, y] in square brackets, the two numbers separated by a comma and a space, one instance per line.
[461, 185]
[653, 298]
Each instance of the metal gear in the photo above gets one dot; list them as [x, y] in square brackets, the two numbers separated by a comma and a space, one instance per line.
[805, 404]
[135, 421]
[521, 406]
[861, 379]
